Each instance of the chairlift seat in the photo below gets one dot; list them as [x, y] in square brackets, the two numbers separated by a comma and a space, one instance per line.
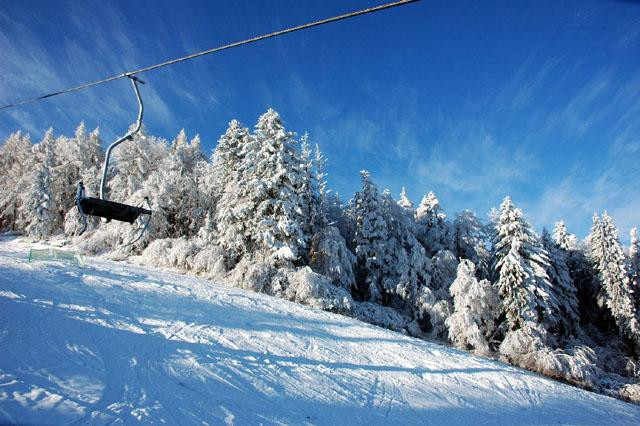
[111, 210]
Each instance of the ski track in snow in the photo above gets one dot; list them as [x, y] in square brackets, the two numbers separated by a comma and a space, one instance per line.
[111, 342]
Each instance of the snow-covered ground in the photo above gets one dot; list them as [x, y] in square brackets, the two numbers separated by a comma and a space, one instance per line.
[111, 342]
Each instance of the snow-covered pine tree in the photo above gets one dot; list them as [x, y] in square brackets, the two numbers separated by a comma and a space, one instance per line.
[270, 211]
[444, 266]
[133, 162]
[339, 216]
[562, 286]
[40, 210]
[584, 277]
[634, 265]
[475, 308]
[470, 242]
[615, 290]
[79, 159]
[320, 173]
[227, 157]
[519, 271]
[236, 161]
[328, 252]
[179, 186]
[309, 191]
[207, 232]
[16, 162]
[330, 257]
[406, 203]
[432, 228]
[405, 266]
[562, 238]
[580, 271]
[369, 239]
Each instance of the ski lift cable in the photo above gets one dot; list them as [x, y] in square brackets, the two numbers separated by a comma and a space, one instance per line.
[214, 50]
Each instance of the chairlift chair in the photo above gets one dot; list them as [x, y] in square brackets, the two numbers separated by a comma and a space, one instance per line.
[111, 210]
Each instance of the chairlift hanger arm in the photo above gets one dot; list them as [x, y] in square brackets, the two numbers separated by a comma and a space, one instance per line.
[130, 134]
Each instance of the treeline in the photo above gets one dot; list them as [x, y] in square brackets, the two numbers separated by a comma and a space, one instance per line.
[258, 214]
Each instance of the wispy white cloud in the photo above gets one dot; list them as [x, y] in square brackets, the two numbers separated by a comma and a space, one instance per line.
[469, 159]
[31, 70]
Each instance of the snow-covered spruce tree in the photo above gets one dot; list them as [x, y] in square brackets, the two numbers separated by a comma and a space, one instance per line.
[634, 265]
[341, 217]
[562, 287]
[406, 203]
[615, 290]
[81, 159]
[432, 229]
[562, 238]
[470, 242]
[227, 158]
[369, 240]
[584, 277]
[405, 265]
[320, 170]
[519, 271]
[132, 163]
[329, 256]
[444, 265]
[40, 210]
[580, 271]
[328, 252]
[16, 161]
[309, 193]
[475, 308]
[271, 211]
[210, 258]
[234, 209]
[181, 199]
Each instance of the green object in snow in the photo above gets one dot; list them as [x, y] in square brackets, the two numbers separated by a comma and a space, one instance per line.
[56, 254]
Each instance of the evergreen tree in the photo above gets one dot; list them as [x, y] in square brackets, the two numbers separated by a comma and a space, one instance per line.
[562, 238]
[562, 286]
[16, 161]
[310, 195]
[40, 209]
[475, 307]
[134, 161]
[444, 265]
[615, 290]
[227, 158]
[330, 257]
[234, 161]
[320, 168]
[469, 241]
[406, 203]
[519, 270]
[432, 227]
[634, 265]
[79, 159]
[179, 188]
[268, 218]
[207, 232]
[405, 262]
[369, 239]
[279, 215]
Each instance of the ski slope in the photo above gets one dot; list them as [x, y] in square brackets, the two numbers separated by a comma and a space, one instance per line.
[110, 342]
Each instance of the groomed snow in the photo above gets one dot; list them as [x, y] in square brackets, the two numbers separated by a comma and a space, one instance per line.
[110, 342]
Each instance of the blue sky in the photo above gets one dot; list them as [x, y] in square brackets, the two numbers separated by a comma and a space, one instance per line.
[474, 100]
